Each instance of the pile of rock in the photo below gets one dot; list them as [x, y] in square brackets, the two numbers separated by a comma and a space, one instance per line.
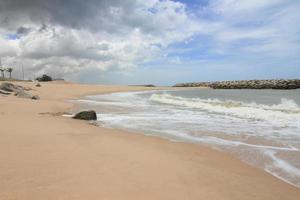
[194, 84]
[17, 90]
[247, 84]
[257, 84]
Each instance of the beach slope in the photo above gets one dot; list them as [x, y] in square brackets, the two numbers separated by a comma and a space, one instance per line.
[46, 156]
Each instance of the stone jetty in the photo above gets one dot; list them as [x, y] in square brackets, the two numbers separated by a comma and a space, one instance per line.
[247, 84]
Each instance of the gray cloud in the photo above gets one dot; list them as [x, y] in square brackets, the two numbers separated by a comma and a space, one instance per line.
[113, 16]
[23, 30]
[73, 13]
[73, 35]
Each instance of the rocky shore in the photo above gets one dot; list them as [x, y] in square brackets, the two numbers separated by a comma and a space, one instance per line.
[18, 90]
[247, 84]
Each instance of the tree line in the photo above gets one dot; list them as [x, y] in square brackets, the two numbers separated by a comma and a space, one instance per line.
[3, 70]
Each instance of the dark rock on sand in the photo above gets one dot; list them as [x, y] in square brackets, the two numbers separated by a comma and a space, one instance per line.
[38, 85]
[86, 115]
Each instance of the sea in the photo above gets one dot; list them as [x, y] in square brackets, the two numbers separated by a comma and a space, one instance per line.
[260, 127]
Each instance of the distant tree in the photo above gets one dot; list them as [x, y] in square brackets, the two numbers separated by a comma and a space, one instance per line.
[44, 78]
[9, 71]
[1, 69]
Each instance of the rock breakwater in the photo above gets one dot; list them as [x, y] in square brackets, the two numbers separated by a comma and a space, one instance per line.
[247, 84]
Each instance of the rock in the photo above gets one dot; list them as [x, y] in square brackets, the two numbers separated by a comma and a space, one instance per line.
[35, 97]
[23, 94]
[199, 84]
[4, 92]
[44, 78]
[86, 115]
[9, 87]
[19, 91]
[38, 85]
[247, 84]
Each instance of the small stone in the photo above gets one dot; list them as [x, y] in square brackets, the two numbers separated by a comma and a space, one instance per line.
[35, 97]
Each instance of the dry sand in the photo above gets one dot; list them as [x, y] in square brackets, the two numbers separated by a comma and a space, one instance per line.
[43, 156]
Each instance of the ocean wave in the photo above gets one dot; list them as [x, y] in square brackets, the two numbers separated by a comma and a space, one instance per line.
[286, 105]
[287, 111]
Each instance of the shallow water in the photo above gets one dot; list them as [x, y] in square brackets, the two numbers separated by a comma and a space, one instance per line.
[261, 127]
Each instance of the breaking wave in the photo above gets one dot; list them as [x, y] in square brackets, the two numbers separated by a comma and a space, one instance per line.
[286, 113]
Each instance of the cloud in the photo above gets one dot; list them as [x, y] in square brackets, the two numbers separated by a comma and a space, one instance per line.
[241, 39]
[67, 36]
[263, 22]
[72, 37]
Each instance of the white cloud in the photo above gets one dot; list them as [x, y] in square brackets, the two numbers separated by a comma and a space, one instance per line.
[116, 35]
[266, 26]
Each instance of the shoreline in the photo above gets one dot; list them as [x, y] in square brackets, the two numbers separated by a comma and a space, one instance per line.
[70, 159]
[183, 139]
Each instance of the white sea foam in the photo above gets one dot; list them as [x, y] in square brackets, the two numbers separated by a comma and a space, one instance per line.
[283, 164]
[281, 168]
[285, 114]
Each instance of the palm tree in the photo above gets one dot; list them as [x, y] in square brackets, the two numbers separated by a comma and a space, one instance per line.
[9, 71]
[2, 71]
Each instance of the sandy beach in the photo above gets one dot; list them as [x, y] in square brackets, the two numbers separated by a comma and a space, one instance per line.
[47, 156]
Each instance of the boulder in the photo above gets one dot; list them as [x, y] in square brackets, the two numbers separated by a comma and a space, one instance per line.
[86, 115]
[9, 87]
[38, 85]
[4, 92]
[23, 94]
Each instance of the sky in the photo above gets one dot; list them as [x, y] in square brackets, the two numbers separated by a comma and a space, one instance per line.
[159, 42]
